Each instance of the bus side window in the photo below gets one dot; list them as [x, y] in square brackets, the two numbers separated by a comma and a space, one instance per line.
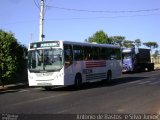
[68, 55]
[108, 53]
[113, 54]
[96, 53]
[103, 54]
[87, 50]
[118, 54]
[77, 52]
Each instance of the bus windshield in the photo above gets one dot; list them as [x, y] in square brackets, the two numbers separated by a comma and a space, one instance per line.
[45, 60]
[126, 55]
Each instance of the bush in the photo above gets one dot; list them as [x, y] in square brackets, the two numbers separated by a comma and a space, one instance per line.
[12, 57]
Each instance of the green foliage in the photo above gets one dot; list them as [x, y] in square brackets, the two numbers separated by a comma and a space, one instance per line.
[137, 42]
[128, 44]
[155, 54]
[102, 38]
[117, 40]
[98, 37]
[151, 44]
[11, 56]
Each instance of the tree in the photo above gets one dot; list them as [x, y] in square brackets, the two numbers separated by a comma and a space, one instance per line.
[98, 37]
[151, 45]
[155, 54]
[117, 40]
[11, 56]
[128, 44]
[137, 42]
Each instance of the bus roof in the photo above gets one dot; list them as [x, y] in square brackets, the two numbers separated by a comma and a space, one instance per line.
[91, 44]
[82, 43]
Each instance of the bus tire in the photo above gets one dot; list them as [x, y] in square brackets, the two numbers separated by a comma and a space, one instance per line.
[78, 81]
[109, 76]
[47, 88]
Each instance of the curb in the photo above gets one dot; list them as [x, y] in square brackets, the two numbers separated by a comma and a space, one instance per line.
[13, 86]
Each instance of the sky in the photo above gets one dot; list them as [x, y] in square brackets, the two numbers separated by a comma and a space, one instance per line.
[76, 20]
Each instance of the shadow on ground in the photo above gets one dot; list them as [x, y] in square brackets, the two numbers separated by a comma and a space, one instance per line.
[99, 84]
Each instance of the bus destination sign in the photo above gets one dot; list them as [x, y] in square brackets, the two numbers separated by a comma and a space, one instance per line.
[45, 44]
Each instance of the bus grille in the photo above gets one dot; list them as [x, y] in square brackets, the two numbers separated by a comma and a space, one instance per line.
[44, 74]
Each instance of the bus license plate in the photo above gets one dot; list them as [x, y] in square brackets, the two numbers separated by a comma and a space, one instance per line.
[44, 84]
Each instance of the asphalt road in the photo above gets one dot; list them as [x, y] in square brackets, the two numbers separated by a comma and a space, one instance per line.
[132, 93]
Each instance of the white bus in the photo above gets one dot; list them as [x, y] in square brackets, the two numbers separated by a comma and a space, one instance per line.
[63, 63]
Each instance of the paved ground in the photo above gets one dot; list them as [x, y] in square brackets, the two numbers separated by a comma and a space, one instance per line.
[133, 93]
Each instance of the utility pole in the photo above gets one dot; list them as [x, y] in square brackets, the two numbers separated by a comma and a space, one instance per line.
[41, 35]
[31, 37]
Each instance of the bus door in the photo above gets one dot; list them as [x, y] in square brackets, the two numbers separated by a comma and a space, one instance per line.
[68, 62]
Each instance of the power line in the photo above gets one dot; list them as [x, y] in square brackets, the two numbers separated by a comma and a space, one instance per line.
[46, 6]
[112, 17]
[37, 4]
[105, 11]
[78, 18]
